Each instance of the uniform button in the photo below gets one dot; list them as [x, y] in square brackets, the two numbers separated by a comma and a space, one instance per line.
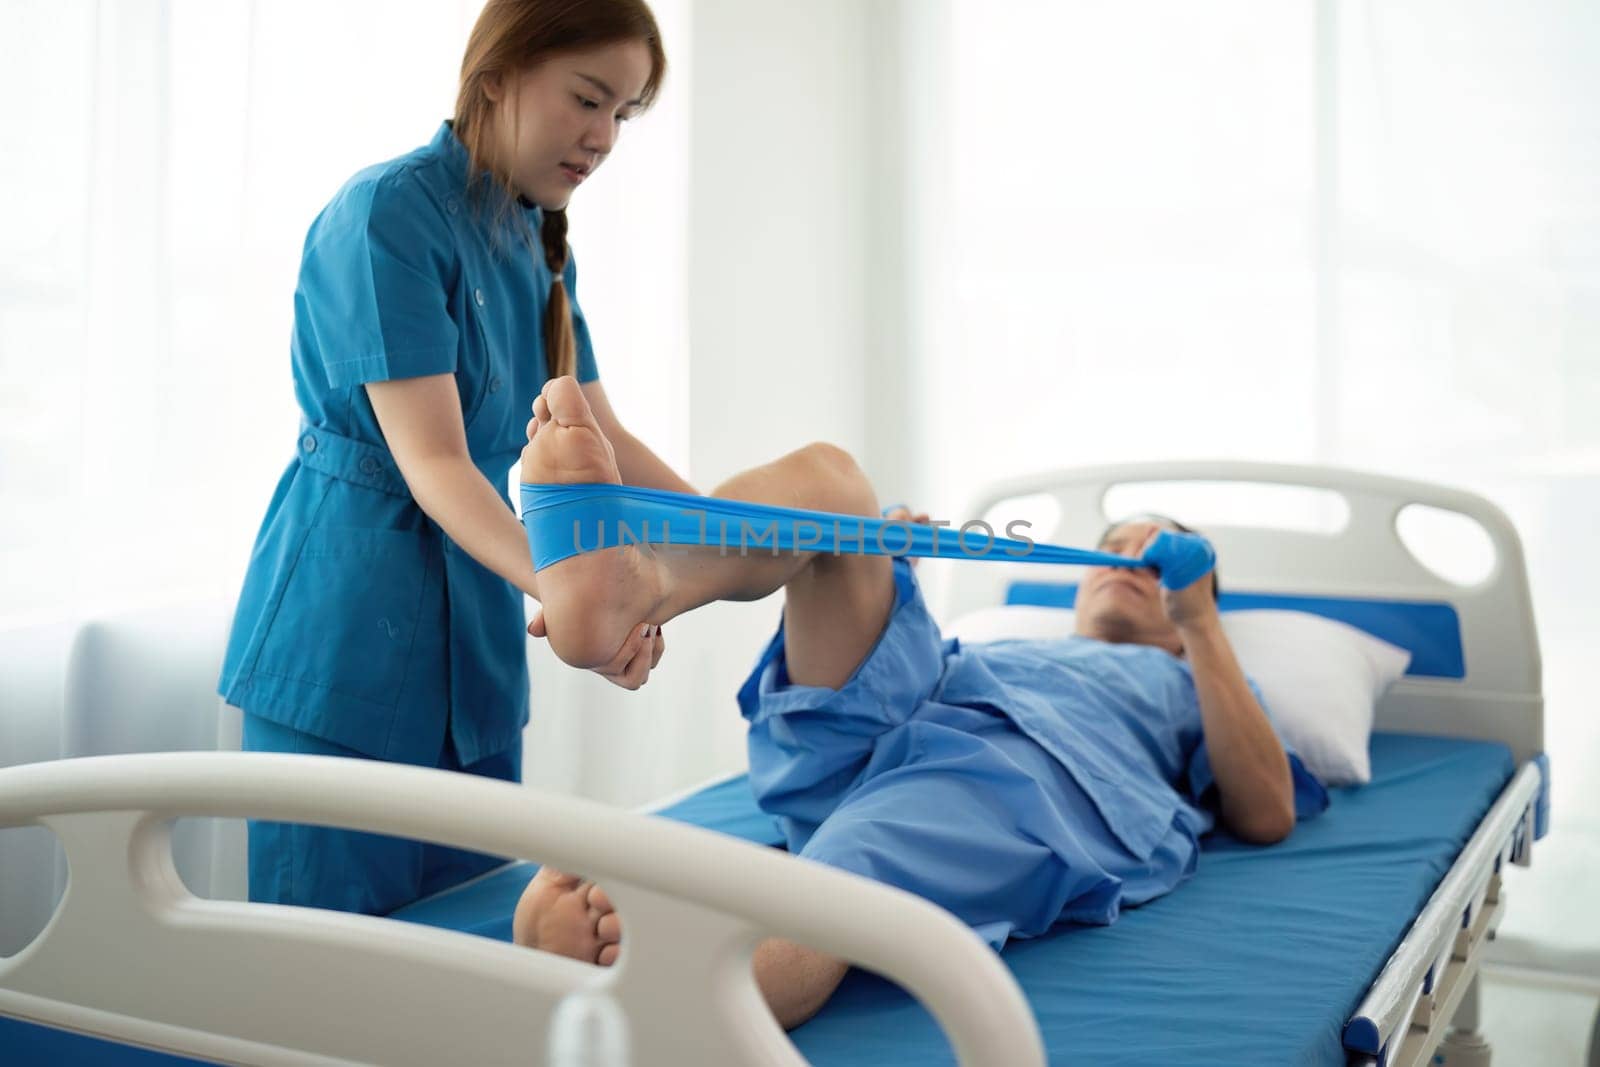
[452, 205]
[308, 443]
[477, 294]
[494, 385]
[370, 465]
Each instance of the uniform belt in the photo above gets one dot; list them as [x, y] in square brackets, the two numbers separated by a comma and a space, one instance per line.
[350, 460]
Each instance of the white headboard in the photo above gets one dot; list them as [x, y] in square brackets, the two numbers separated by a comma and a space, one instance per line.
[1498, 698]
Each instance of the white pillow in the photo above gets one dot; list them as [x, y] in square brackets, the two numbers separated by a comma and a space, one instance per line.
[1320, 678]
[1024, 621]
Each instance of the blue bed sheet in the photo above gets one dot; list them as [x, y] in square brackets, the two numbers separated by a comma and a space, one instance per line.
[1259, 959]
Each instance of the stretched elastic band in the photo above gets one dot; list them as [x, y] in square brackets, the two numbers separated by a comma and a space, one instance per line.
[564, 520]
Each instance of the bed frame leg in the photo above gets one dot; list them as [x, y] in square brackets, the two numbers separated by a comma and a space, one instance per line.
[1464, 1046]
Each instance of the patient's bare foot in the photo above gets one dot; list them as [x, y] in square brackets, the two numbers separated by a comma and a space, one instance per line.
[591, 601]
[562, 913]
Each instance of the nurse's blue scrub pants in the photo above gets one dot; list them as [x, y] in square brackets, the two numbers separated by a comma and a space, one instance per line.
[342, 870]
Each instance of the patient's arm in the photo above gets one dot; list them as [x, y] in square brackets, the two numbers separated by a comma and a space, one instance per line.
[1247, 759]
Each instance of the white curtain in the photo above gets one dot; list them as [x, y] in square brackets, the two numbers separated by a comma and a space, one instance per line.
[1358, 233]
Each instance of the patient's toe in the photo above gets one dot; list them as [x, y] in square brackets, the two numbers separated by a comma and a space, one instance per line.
[607, 927]
[566, 444]
[554, 915]
[550, 876]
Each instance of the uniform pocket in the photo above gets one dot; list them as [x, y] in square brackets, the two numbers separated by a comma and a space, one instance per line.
[349, 613]
[475, 369]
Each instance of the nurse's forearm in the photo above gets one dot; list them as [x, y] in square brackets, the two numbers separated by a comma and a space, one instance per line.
[460, 499]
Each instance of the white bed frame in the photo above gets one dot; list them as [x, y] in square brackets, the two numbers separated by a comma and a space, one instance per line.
[130, 955]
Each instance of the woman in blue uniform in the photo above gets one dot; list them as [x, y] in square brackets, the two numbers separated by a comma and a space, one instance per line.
[382, 611]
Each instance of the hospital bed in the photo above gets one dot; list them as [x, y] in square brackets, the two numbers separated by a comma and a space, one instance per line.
[1357, 940]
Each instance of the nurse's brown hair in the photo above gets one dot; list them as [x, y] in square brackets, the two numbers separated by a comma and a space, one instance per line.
[510, 36]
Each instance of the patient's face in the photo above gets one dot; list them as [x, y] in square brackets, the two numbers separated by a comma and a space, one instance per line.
[1123, 604]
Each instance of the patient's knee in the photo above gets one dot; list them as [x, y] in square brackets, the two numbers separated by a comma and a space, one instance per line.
[842, 486]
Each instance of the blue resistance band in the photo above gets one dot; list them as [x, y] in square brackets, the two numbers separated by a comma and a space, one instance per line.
[564, 520]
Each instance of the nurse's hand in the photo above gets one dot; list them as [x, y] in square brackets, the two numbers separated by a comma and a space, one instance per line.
[631, 666]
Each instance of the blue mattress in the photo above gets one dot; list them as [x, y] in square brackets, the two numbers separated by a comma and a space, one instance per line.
[1259, 959]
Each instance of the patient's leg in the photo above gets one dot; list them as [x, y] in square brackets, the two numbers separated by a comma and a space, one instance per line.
[835, 606]
[563, 914]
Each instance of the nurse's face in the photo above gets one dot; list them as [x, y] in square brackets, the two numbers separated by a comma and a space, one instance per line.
[557, 121]
[1123, 604]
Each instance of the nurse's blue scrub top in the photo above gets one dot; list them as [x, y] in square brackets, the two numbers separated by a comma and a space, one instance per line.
[360, 621]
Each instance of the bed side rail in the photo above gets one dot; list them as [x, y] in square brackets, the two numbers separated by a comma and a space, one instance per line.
[1426, 975]
[132, 955]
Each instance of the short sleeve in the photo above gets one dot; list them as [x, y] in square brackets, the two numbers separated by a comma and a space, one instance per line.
[374, 284]
[588, 371]
[1310, 796]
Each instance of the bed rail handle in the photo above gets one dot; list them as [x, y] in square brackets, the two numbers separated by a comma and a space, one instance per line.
[696, 903]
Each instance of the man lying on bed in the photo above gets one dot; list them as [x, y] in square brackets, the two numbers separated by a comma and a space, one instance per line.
[1017, 784]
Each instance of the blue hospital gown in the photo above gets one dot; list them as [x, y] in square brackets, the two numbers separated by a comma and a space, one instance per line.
[1017, 784]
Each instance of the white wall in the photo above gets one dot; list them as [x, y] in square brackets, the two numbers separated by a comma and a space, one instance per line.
[778, 210]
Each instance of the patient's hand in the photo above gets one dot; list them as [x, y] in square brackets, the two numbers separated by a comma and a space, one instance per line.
[631, 666]
[901, 513]
[1194, 604]
[1190, 606]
